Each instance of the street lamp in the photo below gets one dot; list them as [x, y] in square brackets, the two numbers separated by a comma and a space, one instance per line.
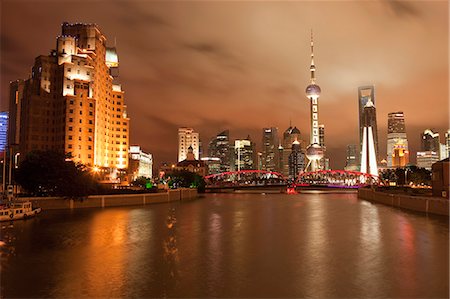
[406, 176]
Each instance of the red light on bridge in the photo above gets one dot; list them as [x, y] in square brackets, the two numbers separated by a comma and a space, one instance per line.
[291, 191]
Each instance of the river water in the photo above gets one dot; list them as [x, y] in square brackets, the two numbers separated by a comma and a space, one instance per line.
[229, 245]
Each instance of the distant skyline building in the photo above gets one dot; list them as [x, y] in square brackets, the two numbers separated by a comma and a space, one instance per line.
[314, 152]
[187, 137]
[212, 164]
[396, 135]
[368, 154]
[296, 160]
[447, 142]
[140, 163]
[426, 159]
[72, 102]
[429, 141]
[325, 161]
[352, 163]
[289, 136]
[191, 164]
[244, 154]
[219, 147]
[400, 155]
[270, 148]
[3, 130]
[367, 116]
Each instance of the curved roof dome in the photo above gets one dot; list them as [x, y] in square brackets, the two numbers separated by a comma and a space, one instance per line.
[312, 90]
[314, 152]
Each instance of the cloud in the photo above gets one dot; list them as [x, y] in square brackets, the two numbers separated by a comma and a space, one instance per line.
[402, 8]
[216, 52]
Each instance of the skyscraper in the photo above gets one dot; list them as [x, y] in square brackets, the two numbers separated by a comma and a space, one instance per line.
[269, 149]
[289, 136]
[71, 102]
[325, 161]
[368, 153]
[3, 130]
[219, 147]
[187, 137]
[396, 135]
[364, 94]
[429, 141]
[314, 151]
[244, 154]
[296, 160]
[352, 158]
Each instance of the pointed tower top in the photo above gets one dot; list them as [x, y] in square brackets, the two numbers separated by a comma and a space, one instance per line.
[313, 67]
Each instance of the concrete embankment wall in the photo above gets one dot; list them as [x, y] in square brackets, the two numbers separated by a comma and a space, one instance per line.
[416, 203]
[102, 201]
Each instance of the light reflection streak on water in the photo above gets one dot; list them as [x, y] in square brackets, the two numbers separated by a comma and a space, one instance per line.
[316, 248]
[237, 247]
[407, 243]
[370, 251]
[215, 254]
[104, 258]
[171, 258]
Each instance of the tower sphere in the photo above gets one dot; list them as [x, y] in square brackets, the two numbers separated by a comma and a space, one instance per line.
[312, 91]
[314, 152]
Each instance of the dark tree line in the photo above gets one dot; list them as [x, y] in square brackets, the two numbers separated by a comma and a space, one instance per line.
[51, 173]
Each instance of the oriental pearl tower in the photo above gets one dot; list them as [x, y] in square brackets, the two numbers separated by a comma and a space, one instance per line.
[314, 152]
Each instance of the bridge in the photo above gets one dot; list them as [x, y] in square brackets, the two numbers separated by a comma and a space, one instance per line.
[272, 180]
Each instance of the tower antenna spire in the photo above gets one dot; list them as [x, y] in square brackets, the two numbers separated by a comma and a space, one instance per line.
[313, 67]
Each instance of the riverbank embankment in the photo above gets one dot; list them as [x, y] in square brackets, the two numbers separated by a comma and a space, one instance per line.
[427, 204]
[116, 200]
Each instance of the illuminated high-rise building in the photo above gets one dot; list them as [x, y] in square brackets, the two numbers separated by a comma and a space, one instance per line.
[429, 141]
[426, 159]
[187, 137]
[368, 153]
[447, 142]
[269, 149]
[400, 155]
[396, 134]
[352, 158]
[367, 116]
[3, 130]
[71, 103]
[289, 136]
[296, 160]
[325, 161]
[314, 152]
[219, 147]
[244, 150]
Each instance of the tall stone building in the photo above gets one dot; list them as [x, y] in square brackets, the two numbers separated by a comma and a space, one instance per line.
[72, 103]
[187, 137]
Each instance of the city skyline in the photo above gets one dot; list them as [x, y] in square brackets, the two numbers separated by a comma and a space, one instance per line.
[262, 69]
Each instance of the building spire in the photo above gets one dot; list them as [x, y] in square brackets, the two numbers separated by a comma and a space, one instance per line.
[313, 67]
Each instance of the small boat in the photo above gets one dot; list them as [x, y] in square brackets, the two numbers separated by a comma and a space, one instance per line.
[17, 209]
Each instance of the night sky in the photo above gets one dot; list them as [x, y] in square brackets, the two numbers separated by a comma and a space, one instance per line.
[243, 66]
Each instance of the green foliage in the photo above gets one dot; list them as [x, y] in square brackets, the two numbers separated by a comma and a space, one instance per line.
[50, 173]
[143, 183]
[187, 179]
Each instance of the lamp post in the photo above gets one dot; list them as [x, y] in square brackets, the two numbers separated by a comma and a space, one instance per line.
[406, 176]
